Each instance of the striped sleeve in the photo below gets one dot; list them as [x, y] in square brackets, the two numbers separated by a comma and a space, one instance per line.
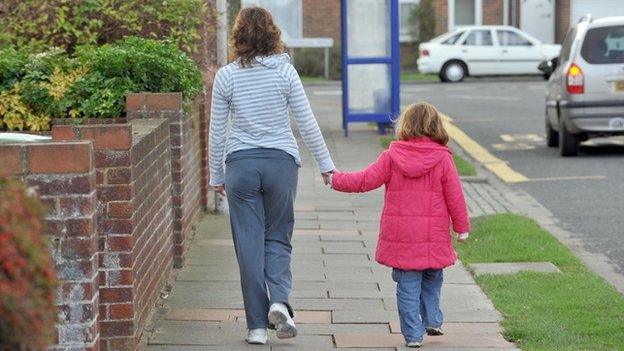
[219, 113]
[306, 122]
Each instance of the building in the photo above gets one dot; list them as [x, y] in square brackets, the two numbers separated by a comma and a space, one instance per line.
[548, 20]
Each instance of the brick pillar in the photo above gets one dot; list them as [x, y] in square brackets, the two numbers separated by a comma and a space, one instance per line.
[185, 169]
[562, 19]
[493, 12]
[64, 176]
[112, 144]
[135, 221]
[441, 16]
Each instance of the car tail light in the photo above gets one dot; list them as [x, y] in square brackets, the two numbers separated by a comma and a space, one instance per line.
[425, 53]
[575, 80]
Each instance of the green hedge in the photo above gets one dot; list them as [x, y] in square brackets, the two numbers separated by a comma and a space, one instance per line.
[41, 24]
[310, 62]
[91, 82]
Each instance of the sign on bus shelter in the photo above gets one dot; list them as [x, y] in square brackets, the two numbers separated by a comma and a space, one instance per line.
[370, 62]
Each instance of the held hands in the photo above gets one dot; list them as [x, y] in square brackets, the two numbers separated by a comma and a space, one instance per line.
[327, 177]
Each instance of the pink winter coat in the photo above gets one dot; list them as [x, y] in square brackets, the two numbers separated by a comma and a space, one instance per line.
[423, 197]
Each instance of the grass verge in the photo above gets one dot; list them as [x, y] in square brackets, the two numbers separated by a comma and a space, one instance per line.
[464, 168]
[411, 76]
[574, 310]
[308, 79]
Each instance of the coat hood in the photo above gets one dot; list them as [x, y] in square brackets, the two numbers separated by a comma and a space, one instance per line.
[273, 61]
[417, 157]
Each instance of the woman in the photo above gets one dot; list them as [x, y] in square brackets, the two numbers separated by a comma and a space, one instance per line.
[252, 94]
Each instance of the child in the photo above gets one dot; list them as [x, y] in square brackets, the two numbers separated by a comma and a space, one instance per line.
[423, 197]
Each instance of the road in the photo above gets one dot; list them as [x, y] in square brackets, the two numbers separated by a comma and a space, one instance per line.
[585, 193]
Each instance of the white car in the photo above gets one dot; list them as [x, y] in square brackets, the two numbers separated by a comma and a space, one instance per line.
[483, 50]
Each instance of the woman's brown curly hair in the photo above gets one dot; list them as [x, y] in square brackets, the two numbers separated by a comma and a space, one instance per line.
[254, 34]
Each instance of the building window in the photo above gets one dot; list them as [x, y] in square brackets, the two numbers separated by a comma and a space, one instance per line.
[286, 13]
[464, 13]
[408, 13]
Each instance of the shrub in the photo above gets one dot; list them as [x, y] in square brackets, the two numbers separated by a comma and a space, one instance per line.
[12, 64]
[41, 24]
[27, 279]
[311, 62]
[92, 82]
[426, 20]
[150, 65]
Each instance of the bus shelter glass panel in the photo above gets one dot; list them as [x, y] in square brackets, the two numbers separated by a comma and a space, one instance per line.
[368, 28]
[370, 49]
[369, 89]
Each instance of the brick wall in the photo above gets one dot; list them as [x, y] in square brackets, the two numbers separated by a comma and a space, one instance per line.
[493, 12]
[188, 174]
[135, 221]
[562, 19]
[64, 176]
[441, 16]
[321, 18]
[153, 234]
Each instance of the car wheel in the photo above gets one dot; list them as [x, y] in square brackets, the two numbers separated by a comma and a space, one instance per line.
[552, 136]
[453, 71]
[442, 78]
[568, 142]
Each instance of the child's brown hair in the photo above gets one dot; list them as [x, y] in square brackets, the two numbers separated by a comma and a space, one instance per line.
[421, 120]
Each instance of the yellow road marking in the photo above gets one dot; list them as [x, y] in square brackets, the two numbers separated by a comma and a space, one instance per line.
[482, 155]
[594, 177]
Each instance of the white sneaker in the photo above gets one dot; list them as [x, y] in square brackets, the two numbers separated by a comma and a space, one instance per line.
[280, 318]
[434, 331]
[257, 336]
[413, 344]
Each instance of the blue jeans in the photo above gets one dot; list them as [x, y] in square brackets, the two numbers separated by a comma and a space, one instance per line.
[418, 301]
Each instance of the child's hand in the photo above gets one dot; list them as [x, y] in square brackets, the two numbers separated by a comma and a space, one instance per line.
[462, 237]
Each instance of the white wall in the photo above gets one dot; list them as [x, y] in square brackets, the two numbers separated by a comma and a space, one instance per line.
[598, 9]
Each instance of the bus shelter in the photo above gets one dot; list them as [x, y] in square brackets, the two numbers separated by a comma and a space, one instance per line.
[370, 62]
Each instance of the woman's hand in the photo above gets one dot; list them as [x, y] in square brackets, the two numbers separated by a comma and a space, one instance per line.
[220, 189]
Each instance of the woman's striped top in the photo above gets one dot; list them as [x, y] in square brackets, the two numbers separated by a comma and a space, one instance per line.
[250, 110]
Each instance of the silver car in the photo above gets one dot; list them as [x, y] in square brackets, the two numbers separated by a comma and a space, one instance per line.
[585, 96]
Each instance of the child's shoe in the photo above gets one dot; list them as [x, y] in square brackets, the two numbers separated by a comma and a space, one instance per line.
[284, 324]
[257, 336]
[413, 344]
[434, 331]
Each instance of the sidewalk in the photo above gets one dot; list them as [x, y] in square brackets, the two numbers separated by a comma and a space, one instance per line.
[344, 300]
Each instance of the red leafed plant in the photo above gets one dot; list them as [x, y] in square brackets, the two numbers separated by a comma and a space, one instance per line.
[27, 279]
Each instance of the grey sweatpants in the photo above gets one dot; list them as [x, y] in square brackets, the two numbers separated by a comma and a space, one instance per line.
[261, 185]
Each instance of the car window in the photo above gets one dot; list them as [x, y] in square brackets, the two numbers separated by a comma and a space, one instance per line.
[604, 45]
[453, 39]
[511, 38]
[479, 38]
[566, 47]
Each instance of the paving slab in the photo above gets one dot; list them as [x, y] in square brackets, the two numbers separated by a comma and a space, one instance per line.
[364, 316]
[341, 232]
[513, 267]
[338, 304]
[331, 329]
[397, 340]
[236, 315]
